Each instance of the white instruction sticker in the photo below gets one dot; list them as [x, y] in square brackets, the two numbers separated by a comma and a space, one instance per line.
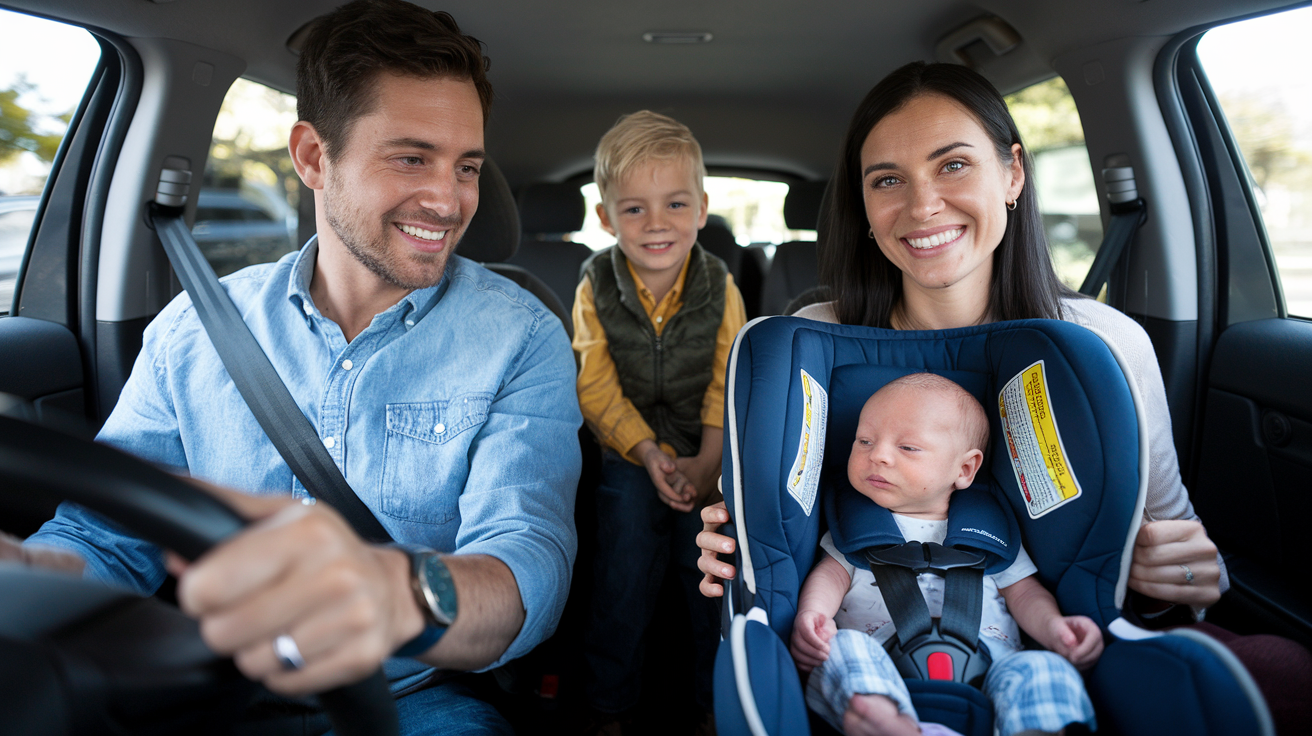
[804, 479]
[1034, 444]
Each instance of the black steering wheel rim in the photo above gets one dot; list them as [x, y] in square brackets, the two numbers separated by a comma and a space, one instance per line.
[163, 509]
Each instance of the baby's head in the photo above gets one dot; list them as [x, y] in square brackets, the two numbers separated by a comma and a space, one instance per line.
[919, 438]
[649, 172]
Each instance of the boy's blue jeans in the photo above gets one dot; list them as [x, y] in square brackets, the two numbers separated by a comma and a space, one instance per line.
[638, 538]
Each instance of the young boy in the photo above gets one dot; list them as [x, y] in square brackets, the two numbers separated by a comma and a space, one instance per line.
[920, 438]
[654, 317]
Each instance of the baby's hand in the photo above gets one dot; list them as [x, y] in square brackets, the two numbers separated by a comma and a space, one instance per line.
[1078, 639]
[812, 631]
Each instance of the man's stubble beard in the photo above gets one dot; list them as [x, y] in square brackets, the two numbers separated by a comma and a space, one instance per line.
[374, 253]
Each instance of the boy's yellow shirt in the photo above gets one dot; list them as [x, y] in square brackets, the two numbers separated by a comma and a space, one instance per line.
[613, 417]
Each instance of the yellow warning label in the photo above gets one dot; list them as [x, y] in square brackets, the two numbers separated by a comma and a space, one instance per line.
[804, 477]
[1034, 445]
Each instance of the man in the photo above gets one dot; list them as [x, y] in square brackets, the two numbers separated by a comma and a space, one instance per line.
[443, 392]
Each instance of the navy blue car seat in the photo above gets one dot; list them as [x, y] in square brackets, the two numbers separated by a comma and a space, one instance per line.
[1067, 465]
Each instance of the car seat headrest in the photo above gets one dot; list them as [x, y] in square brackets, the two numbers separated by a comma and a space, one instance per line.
[551, 208]
[802, 205]
[493, 234]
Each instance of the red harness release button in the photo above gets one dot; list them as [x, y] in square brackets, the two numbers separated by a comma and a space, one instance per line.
[940, 666]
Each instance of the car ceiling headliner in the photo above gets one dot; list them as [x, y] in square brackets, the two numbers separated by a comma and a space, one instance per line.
[772, 91]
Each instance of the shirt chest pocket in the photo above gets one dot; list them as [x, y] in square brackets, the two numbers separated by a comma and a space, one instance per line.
[426, 456]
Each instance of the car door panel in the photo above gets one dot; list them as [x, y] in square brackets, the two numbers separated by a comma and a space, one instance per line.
[1253, 485]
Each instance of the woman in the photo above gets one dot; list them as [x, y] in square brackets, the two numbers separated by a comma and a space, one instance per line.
[934, 224]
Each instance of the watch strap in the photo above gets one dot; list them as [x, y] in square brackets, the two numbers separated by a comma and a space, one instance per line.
[433, 602]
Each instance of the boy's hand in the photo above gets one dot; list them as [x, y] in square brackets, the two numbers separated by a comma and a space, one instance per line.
[1077, 638]
[671, 485]
[701, 472]
[812, 631]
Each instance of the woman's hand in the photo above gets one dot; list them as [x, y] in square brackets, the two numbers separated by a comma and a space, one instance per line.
[712, 544]
[812, 631]
[1174, 561]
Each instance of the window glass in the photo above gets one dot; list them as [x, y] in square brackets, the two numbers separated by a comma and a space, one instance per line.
[44, 69]
[752, 208]
[247, 208]
[1258, 72]
[1050, 126]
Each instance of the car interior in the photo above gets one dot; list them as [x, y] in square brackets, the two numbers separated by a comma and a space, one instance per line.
[768, 88]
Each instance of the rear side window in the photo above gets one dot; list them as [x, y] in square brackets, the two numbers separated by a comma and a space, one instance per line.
[1258, 71]
[1050, 126]
[246, 211]
[44, 70]
[753, 209]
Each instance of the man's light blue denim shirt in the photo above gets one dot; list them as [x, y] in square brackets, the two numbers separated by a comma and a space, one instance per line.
[454, 417]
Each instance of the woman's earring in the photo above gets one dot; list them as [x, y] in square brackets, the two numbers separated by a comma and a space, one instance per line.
[1011, 205]
[871, 233]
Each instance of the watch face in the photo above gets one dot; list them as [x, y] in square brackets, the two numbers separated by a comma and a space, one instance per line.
[439, 589]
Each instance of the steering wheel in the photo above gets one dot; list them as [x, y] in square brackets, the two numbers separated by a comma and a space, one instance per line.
[77, 655]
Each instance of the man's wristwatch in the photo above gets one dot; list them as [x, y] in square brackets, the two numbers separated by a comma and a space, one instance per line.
[435, 594]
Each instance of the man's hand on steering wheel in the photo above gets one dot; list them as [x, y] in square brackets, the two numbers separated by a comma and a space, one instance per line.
[298, 599]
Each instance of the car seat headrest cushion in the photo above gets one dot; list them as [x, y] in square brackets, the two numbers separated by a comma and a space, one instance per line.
[493, 233]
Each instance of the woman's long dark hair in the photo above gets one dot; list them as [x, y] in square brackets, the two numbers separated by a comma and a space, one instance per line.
[863, 283]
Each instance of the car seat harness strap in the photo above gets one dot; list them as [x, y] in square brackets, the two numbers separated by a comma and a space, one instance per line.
[947, 648]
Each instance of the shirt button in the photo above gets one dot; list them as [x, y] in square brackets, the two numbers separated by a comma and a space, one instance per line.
[347, 365]
[659, 319]
[329, 442]
[306, 306]
[409, 323]
[440, 428]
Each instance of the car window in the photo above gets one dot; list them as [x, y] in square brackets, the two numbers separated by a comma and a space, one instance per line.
[752, 208]
[246, 212]
[1050, 126]
[1256, 70]
[44, 69]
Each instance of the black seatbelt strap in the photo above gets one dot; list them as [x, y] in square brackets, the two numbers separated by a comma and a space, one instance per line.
[895, 570]
[963, 604]
[1125, 222]
[256, 379]
[906, 604]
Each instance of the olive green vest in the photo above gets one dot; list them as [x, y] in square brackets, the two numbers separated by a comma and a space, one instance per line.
[665, 377]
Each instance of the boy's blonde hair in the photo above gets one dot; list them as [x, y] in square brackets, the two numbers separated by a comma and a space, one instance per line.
[638, 138]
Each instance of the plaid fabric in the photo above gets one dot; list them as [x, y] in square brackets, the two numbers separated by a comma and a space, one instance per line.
[857, 664]
[1037, 690]
[1030, 689]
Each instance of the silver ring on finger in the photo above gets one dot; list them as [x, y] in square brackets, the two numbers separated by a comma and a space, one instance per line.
[1188, 575]
[288, 654]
